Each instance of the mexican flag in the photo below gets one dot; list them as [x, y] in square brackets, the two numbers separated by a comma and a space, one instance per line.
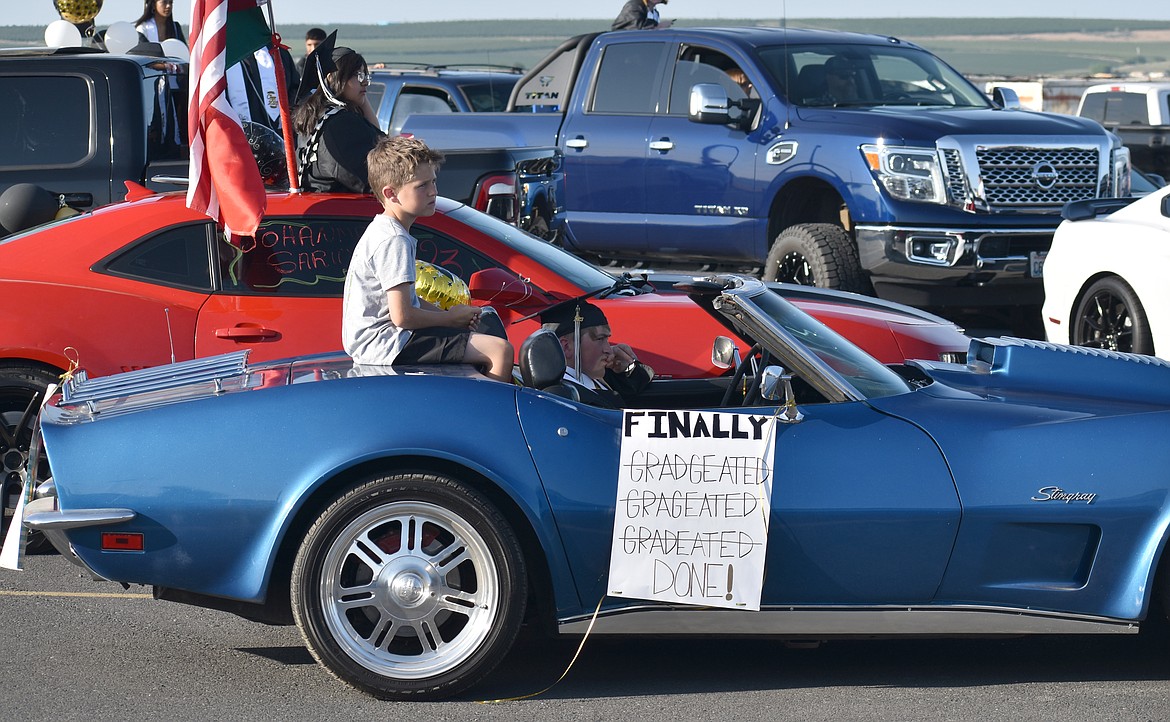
[225, 182]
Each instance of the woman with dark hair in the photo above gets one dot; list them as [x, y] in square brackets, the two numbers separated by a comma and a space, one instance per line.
[336, 127]
[157, 22]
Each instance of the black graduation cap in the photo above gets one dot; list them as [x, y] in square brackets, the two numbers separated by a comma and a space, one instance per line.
[566, 313]
[321, 62]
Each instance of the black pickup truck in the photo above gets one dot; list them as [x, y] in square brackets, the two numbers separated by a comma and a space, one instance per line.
[79, 122]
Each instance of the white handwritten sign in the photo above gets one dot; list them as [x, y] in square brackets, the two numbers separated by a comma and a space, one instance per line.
[693, 498]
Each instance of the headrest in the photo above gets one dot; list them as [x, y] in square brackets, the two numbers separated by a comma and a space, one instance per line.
[491, 323]
[542, 360]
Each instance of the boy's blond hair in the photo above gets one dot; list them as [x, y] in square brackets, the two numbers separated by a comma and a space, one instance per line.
[395, 161]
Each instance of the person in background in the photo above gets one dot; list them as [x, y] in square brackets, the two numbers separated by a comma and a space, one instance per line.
[640, 15]
[335, 125]
[157, 22]
[313, 38]
[384, 322]
[252, 88]
[840, 81]
[605, 374]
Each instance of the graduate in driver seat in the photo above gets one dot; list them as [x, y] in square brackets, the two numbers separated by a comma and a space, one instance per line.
[605, 374]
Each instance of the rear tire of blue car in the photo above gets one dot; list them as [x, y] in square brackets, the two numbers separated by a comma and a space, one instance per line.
[816, 254]
[1110, 316]
[410, 586]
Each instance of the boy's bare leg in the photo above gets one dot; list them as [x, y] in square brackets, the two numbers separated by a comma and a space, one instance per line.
[493, 352]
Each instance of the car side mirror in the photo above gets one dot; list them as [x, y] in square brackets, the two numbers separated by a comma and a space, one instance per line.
[776, 386]
[1005, 98]
[724, 354]
[1166, 206]
[499, 287]
[711, 105]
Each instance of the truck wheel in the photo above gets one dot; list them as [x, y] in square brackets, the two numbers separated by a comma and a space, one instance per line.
[410, 586]
[1109, 316]
[21, 389]
[816, 254]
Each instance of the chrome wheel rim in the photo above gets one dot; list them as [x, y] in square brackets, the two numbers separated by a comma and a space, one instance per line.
[409, 590]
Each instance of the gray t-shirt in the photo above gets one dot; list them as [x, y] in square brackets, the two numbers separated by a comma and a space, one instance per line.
[382, 259]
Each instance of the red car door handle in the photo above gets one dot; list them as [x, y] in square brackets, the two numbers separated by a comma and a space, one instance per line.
[245, 332]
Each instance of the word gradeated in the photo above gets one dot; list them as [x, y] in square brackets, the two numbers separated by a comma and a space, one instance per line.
[693, 498]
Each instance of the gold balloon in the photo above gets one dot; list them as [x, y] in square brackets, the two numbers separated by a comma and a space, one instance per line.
[439, 286]
[78, 11]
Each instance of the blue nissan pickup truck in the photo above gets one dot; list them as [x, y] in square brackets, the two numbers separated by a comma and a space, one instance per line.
[850, 161]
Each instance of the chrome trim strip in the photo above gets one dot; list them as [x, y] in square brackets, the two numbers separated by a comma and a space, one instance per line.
[42, 515]
[55, 519]
[956, 620]
[81, 388]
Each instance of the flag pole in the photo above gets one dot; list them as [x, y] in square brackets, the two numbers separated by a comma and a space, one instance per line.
[286, 129]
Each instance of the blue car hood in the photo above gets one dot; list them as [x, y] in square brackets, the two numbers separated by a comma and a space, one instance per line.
[1024, 371]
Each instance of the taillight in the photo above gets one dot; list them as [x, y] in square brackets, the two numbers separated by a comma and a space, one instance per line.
[497, 197]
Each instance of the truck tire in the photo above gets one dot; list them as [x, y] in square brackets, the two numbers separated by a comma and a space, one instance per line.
[816, 254]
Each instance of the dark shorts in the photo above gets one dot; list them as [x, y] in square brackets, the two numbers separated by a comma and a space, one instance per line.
[435, 345]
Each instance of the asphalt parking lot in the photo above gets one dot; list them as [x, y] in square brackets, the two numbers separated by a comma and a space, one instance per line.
[75, 649]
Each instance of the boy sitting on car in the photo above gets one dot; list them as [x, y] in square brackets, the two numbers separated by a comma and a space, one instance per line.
[384, 322]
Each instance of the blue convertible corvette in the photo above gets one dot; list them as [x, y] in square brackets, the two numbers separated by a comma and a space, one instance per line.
[410, 520]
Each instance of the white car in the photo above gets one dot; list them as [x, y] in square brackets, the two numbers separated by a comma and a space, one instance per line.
[1107, 277]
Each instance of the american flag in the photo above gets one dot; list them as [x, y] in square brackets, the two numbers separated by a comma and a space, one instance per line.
[224, 180]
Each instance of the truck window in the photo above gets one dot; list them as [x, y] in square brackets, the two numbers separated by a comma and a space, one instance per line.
[699, 65]
[49, 121]
[1116, 108]
[882, 76]
[627, 81]
[419, 100]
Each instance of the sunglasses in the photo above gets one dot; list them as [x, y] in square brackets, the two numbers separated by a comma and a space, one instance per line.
[363, 76]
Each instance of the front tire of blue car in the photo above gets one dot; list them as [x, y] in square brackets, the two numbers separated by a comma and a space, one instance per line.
[410, 586]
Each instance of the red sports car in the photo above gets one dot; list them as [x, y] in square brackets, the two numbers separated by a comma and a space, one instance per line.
[149, 281]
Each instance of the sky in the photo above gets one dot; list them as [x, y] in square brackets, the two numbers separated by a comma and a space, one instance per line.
[332, 12]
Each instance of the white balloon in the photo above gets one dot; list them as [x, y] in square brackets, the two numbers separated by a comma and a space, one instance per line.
[62, 34]
[175, 48]
[121, 38]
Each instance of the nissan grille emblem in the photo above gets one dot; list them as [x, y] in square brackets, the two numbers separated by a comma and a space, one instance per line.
[1044, 175]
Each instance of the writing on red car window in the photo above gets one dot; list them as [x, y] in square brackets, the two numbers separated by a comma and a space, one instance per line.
[298, 254]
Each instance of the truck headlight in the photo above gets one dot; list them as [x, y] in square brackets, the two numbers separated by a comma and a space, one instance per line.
[907, 174]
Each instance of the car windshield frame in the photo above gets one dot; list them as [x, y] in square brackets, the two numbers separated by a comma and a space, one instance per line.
[832, 365]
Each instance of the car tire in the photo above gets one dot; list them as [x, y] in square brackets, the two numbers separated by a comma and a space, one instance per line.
[21, 386]
[816, 254]
[424, 619]
[1110, 316]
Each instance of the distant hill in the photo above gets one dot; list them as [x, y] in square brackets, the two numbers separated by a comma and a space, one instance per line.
[1015, 47]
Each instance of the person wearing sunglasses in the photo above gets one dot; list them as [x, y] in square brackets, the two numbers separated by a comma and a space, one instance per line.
[336, 127]
[840, 81]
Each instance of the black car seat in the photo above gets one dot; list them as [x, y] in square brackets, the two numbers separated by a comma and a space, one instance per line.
[542, 365]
